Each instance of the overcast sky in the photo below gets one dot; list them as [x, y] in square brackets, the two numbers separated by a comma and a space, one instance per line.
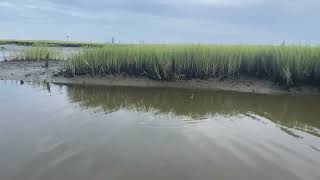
[163, 21]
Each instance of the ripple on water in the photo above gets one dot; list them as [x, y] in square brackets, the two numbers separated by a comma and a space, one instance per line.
[129, 133]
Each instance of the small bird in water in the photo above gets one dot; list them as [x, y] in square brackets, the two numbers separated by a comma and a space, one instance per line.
[21, 82]
[192, 96]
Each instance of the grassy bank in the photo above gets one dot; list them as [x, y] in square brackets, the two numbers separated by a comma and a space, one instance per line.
[288, 65]
[36, 54]
[51, 43]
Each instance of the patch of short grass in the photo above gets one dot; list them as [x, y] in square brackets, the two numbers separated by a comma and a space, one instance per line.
[36, 54]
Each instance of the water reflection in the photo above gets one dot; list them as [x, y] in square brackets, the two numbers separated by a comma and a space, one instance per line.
[52, 131]
[297, 112]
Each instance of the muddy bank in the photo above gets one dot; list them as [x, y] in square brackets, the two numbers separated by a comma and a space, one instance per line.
[29, 71]
[35, 71]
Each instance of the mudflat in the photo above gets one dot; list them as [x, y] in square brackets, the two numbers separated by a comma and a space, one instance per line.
[37, 72]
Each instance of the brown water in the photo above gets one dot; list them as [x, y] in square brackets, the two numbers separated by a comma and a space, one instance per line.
[75, 132]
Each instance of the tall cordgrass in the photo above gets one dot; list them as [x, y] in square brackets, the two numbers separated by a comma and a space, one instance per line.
[36, 54]
[287, 65]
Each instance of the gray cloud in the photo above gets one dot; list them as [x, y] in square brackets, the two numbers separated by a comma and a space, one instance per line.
[208, 21]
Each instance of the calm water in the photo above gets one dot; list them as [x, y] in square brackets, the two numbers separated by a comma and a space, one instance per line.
[75, 132]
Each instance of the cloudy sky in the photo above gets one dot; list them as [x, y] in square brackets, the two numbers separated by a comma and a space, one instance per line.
[163, 21]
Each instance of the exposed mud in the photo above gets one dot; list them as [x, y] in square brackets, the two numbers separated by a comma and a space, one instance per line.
[29, 71]
[35, 71]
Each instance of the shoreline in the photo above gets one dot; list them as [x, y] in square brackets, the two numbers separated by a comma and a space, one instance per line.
[34, 71]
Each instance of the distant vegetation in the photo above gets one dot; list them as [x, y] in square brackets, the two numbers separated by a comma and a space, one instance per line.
[287, 65]
[51, 43]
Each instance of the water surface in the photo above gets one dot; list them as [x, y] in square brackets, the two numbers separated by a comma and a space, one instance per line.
[85, 132]
[10, 50]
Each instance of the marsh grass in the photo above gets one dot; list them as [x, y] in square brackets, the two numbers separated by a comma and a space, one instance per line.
[287, 65]
[39, 53]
